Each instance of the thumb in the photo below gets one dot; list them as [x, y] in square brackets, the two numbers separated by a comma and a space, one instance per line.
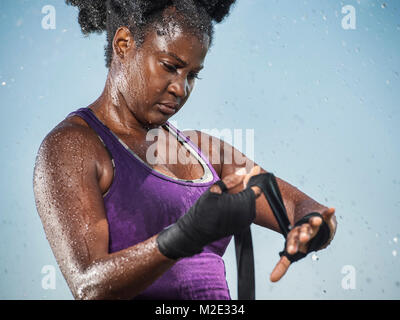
[280, 269]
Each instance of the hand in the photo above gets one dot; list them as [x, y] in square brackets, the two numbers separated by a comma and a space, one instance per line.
[237, 181]
[298, 239]
[215, 215]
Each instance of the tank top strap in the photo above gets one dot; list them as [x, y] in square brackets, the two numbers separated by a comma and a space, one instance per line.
[101, 130]
[196, 148]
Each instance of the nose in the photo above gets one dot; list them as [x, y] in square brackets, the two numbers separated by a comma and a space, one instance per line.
[179, 87]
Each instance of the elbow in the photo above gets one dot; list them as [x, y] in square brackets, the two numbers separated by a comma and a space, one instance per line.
[99, 292]
[89, 292]
[84, 291]
[96, 287]
[88, 285]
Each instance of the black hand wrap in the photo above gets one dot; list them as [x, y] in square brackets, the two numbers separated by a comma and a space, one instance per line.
[315, 243]
[267, 183]
[212, 217]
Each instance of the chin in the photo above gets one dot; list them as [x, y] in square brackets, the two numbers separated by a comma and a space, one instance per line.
[157, 121]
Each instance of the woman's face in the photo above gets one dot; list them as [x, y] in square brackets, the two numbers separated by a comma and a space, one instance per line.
[159, 76]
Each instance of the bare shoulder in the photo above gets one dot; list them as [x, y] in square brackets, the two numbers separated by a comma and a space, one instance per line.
[71, 145]
[70, 136]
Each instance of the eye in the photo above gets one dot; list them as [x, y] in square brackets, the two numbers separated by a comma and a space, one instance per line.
[173, 69]
[194, 75]
[169, 67]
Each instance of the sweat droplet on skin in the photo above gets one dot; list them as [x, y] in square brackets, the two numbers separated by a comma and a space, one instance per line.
[241, 172]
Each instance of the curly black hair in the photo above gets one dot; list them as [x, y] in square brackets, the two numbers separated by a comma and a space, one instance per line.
[107, 16]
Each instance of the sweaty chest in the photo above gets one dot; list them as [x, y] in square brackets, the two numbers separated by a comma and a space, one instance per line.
[163, 153]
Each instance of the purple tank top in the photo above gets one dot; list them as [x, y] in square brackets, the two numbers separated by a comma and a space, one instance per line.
[142, 201]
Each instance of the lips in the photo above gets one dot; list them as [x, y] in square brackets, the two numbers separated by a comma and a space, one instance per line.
[167, 108]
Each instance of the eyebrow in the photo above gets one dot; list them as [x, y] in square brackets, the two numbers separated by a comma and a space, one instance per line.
[184, 63]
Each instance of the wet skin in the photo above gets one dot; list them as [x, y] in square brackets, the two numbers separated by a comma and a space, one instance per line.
[73, 169]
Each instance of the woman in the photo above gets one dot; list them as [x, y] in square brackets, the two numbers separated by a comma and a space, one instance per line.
[122, 226]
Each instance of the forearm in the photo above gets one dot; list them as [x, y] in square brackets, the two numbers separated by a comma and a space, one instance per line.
[304, 207]
[123, 274]
[297, 205]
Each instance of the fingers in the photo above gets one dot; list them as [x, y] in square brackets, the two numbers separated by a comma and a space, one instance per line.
[329, 218]
[234, 180]
[328, 213]
[306, 233]
[231, 181]
[253, 172]
[292, 241]
[298, 237]
[280, 269]
[315, 222]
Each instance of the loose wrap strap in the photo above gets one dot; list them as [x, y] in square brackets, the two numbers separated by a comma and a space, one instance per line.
[245, 265]
[244, 259]
[267, 183]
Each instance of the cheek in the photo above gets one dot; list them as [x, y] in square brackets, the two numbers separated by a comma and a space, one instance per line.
[137, 88]
[155, 79]
[133, 83]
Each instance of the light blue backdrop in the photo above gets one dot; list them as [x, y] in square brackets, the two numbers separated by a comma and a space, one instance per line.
[323, 102]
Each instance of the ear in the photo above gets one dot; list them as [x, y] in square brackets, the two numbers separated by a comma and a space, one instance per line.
[123, 42]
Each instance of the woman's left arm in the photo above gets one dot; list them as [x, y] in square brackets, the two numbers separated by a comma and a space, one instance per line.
[227, 160]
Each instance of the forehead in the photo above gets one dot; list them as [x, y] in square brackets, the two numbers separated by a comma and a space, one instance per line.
[188, 46]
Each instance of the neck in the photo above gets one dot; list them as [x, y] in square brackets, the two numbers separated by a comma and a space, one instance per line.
[112, 109]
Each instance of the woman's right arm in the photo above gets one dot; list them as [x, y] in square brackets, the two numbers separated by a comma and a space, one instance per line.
[70, 205]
